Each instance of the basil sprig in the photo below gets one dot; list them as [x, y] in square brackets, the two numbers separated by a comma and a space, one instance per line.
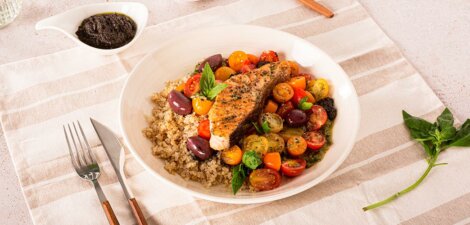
[435, 138]
[250, 160]
[207, 83]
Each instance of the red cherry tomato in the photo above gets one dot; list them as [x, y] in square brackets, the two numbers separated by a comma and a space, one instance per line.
[192, 85]
[315, 140]
[247, 66]
[317, 118]
[203, 129]
[293, 167]
[299, 94]
[269, 57]
[285, 108]
[264, 179]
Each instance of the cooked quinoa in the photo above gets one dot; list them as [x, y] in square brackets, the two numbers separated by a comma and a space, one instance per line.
[169, 131]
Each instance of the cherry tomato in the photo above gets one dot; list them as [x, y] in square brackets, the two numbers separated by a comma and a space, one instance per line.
[180, 88]
[298, 95]
[294, 68]
[315, 140]
[283, 92]
[284, 109]
[237, 59]
[272, 160]
[296, 145]
[275, 142]
[289, 132]
[232, 156]
[269, 57]
[223, 73]
[308, 77]
[257, 143]
[253, 59]
[320, 89]
[247, 67]
[317, 117]
[201, 106]
[264, 179]
[192, 85]
[298, 82]
[293, 167]
[270, 107]
[203, 129]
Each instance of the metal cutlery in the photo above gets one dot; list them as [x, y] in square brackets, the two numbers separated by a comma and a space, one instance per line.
[85, 164]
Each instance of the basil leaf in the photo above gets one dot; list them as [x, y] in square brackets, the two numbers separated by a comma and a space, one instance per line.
[419, 128]
[238, 177]
[445, 120]
[258, 129]
[207, 81]
[251, 159]
[462, 137]
[265, 126]
[215, 91]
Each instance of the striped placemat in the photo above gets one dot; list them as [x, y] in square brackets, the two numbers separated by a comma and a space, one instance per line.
[40, 94]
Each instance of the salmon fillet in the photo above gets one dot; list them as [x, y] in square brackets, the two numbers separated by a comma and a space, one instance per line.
[241, 102]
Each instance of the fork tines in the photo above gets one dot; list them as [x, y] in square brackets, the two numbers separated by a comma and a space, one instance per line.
[80, 150]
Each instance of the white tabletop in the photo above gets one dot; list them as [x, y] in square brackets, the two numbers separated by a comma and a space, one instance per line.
[432, 34]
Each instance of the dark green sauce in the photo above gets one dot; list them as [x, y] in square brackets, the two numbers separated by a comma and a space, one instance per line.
[107, 30]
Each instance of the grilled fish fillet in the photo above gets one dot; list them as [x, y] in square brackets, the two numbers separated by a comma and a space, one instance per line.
[241, 103]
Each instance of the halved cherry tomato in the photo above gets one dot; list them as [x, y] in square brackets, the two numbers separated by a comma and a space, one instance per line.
[272, 160]
[289, 132]
[237, 59]
[315, 140]
[264, 179]
[256, 143]
[201, 106]
[296, 145]
[299, 94]
[285, 108]
[192, 85]
[293, 167]
[298, 82]
[318, 117]
[223, 73]
[253, 59]
[320, 89]
[307, 76]
[283, 92]
[247, 67]
[180, 87]
[269, 57]
[203, 129]
[294, 68]
[270, 107]
[232, 156]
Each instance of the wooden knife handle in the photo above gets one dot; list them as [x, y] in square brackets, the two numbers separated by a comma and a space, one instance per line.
[109, 213]
[139, 216]
[318, 8]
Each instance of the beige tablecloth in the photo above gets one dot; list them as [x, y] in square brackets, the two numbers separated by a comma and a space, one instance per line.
[40, 94]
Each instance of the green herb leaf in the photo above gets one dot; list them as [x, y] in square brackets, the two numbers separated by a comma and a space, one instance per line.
[238, 177]
[419, 128]
[215, 91]
[265, 126]
[462, 137]
[258, 129]
[445, 120]
[251, 159]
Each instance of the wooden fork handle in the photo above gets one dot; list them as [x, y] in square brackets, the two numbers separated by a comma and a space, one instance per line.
[139, 216]
[109, 213]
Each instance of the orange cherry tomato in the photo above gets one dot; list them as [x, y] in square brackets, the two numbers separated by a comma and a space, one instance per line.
[247, 67]
[298, 82]
[283, 92]
[223, 73]
[296, 145]
[180, 87]
[232, 156]
[203, 130]
[264, 179]
[237, 59]
[315, 140]
[270, 107]
[310, 97]
[268, 57]
[317, 118]
[293, 167]
[253, 59]
[272, 160]
[299, 94]
[294, 68]
[192, 85]
[201, 106]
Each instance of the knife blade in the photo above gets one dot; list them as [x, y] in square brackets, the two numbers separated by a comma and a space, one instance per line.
[115, 152]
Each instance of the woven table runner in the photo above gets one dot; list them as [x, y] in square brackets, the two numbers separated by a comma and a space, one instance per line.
[40, 94]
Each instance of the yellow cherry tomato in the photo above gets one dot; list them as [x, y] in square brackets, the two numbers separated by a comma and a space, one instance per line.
[256, 143]
[237, 59]
[283, 92]
[201, 106]
[232, 156]
[223, 73]
[320, 89]
[180, 87]
[298, 82]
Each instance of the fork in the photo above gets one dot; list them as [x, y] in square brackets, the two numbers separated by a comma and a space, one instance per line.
[86, 166]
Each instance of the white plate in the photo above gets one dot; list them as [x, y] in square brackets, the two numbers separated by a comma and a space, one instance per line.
[178, 57]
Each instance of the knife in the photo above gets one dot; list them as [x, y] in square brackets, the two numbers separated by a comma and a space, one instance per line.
[116, 155]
